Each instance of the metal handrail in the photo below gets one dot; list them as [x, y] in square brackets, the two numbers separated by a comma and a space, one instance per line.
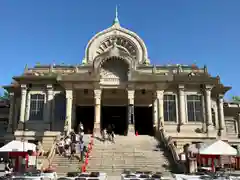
[51, 153]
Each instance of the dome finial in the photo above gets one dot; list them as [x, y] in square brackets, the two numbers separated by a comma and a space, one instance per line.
[116, 20]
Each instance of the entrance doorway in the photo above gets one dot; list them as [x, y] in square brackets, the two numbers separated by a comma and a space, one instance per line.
[143, 120]
[85, 115]
[117, 116]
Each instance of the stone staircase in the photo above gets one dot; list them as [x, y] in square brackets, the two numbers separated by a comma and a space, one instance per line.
[136, 153]
[64, 165]
[47, 143]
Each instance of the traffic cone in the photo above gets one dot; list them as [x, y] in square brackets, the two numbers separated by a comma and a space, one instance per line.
[136, 133]
[86, 161]
[83, 168]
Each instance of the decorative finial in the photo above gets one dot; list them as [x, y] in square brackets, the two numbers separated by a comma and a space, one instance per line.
[25, 68]
[116, 20]
[84, 61]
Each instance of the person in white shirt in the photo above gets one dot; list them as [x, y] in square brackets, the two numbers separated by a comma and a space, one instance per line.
[67, 145]
[60, 147]
[77, 138]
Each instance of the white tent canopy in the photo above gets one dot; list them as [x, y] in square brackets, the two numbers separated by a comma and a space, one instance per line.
[18, 146]
[218, 148]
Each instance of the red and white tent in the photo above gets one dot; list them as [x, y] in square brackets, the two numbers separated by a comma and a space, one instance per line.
[18, 146]
[218, 148]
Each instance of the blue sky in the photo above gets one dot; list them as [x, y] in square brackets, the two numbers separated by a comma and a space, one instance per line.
[175, 31]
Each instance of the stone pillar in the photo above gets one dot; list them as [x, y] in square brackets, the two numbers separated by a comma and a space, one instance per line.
[182, 105]
[204, 123]
[74, 123]
[68, 121]
[208, 105]
[11, 112]
[221, 116]
[23, 106]
[216, 117]
[97, 116]
[155, 113]
[160, 94]
[49, 104]
[28, 103]
[130, 106]
[131, 129]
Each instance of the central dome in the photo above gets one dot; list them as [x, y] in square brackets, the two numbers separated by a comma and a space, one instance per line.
[126, 42]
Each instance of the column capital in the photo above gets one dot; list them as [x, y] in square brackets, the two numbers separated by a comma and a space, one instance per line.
[68, 93]
[49, 86]
[97, 93]
[23, 86]
[159, 94]
[131, 94]
[220, 96]
[208, 87]
[181, 87]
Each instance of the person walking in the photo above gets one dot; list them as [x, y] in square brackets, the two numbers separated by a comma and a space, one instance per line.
[110, 132]
[81, 150]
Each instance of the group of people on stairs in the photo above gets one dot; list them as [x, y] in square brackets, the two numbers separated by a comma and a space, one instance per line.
[72, 144]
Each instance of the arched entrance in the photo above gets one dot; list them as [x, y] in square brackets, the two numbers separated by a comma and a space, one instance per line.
[114, 72]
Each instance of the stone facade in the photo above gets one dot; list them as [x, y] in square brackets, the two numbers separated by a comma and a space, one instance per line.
[187, 101]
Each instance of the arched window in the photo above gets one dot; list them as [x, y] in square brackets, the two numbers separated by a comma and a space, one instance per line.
[194, 108]
[36, 106]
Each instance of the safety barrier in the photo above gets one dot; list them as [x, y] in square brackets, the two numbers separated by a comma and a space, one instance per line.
[87, 154]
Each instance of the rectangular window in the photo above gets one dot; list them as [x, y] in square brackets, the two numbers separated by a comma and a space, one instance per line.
[36, 107]
[169, 108]
[60, 107]
[194, 107]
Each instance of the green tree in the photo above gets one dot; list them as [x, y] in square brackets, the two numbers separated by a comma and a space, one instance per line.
[236, 99]
[4, 96]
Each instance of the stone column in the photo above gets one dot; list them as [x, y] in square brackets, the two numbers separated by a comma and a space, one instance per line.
[182, 105]
[221, 115]
[130, 106]
[216, 117]
[204, 123]
[97, 116]
[208, 105]
[23, 106]
[74, 123]
[131, 129]
[68, 121]
[49, 103]
[11, 111]
[155, 113]
[160, 94]
[28, 104]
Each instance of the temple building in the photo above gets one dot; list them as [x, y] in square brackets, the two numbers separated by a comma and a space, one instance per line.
[116, 84]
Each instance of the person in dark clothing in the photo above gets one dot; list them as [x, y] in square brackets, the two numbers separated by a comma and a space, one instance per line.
[73, 137]
[110, 132]
[73, 150]
[81, 150]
